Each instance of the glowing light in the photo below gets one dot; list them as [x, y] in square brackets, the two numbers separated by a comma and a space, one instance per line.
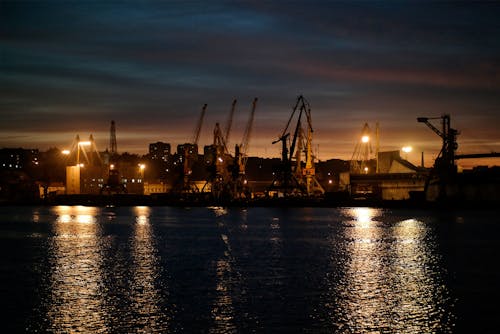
[142, 166]
[81, 165]
[407, 149]
[111, 166]
[64, 218]
[76, 272]
[365, 139]
[366, 169]
[84, 143]
[65, 152]
[85, 219]
[363, 216]
[142, 214]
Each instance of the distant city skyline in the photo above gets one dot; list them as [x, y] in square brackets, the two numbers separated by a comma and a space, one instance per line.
[69, 68]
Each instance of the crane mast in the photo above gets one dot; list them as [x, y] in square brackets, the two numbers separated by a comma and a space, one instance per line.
[229, 122]
[446, 158]
[360, 159]
[444, 167]
[239, 186]
[301, 180]
[112, 139]
[246, 138]
[188, 153]
[197, 129]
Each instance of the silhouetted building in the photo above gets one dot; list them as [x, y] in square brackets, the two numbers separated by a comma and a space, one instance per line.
[18, 158]
[187, 150]
[19, 169]
[159, 151]
[160, 162]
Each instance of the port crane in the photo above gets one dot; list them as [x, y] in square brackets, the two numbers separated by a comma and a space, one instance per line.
[197, 130]
[444, 170]
[113, 184]
[227, 173]
[113, 147]
[360, 160]
[87, 149]
[189, 152]
[218, 163]
[240, 187]
[299, 181]
[229, 123]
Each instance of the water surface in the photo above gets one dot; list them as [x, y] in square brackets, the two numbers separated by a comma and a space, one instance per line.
[183, 270]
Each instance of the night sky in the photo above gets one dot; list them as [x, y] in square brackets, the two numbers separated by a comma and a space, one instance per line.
[70, 67]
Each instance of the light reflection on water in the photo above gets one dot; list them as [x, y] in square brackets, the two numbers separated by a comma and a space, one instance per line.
[222, 308]
[110, 270]
[80, 301]
[146, 299]
[76, 301]
[390, 283]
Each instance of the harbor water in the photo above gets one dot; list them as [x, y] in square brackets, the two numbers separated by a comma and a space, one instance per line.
[233, 270]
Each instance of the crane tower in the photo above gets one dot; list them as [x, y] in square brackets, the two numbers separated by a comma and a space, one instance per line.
[293, 177]
[444, 169]
[112, 139]
[360, 160]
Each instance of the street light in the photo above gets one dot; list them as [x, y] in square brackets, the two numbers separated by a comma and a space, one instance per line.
[142, 167]
[81, 143]
[406, 150]
[365, 139]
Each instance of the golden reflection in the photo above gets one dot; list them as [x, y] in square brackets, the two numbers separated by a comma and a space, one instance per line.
[142, 214]
[417, 296]
[244, 219]
[77, 303]
[222, 308]
[387, 284]
[363, 294]
[363, 216]
[145, 295]
[275, 234]
[36, 216]
[219, 210]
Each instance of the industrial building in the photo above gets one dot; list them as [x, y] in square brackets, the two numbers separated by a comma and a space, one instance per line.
[223, 175]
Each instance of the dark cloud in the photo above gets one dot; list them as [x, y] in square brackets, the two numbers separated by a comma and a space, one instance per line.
[70, 67]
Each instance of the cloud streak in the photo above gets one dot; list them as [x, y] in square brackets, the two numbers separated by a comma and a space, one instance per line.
[71, 67]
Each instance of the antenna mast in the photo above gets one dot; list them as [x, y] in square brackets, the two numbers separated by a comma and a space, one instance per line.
[112, 139]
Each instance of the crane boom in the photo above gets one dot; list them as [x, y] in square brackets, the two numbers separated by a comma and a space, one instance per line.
[248, 130]
[197, 130]
[300, 179]
[430, 125]
[444, 165]
[229, 122]
[243, 149]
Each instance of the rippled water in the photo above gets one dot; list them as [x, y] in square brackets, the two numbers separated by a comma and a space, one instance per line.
[183, 270]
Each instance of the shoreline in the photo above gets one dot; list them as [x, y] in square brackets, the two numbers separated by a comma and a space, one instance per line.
[123, 200]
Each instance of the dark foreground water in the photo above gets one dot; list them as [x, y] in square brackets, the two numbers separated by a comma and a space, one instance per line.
[275, 270]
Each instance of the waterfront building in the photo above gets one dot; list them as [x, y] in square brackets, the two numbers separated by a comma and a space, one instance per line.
[160, 151]
[18, 158]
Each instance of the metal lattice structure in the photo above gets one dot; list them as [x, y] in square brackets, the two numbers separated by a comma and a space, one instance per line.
[296, 175]
[359, 163]
[112, 139]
